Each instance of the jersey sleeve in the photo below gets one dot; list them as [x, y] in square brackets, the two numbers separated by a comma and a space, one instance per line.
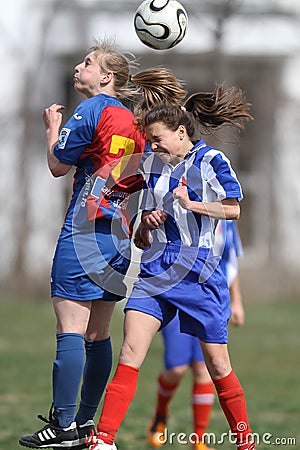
[148, 202]
[76, 135]
[221, 177]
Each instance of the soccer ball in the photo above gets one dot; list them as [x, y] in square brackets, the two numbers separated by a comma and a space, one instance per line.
[160, 24]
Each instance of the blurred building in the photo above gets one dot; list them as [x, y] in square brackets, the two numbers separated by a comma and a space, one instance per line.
[251, 43]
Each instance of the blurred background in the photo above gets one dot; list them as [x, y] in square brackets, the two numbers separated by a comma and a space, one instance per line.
[254, 44]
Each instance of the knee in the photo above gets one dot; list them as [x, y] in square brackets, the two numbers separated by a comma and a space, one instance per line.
[93, 334]
[128, 355]
[219, 367]
[175, 374]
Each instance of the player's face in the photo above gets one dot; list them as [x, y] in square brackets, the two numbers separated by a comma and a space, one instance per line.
[87, 76]
[164, 140]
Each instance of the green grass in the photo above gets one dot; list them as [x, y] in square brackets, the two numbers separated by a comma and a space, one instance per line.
[264, 353]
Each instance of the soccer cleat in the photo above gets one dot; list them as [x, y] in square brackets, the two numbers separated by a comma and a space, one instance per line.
[156, 431]
[95, 442]
[202, 446]
[84, 431]
[51, 435]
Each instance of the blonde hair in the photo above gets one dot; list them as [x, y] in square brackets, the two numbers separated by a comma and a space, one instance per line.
[145, 88]
[111, 60]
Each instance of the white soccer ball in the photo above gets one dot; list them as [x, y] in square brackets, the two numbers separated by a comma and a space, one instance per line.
[160, 24]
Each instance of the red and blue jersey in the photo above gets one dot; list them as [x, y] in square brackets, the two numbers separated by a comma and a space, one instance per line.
[102, 141]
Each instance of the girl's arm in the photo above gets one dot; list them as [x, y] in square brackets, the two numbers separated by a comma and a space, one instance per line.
[142, 237]
[52, 120]
[228, 208]
[150, 220]
[236, 303]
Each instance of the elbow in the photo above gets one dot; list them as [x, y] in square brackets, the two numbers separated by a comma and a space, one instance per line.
[56, 167]
[231, 209]
[59, 170]
[56, 173]
[235, 213]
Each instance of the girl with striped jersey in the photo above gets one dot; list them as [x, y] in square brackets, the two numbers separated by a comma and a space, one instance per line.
[189, 187]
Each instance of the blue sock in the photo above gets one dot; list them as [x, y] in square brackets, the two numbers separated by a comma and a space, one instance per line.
[96, 373]
[66, 376]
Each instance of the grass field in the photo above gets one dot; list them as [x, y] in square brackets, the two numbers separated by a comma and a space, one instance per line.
[265, 354]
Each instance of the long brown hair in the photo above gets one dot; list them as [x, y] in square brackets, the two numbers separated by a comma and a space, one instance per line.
[203, 112]
[157, 85]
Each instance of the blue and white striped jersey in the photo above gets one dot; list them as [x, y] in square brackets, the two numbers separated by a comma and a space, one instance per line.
[208, 175]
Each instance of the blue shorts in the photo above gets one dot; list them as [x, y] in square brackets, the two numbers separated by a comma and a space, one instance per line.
[187, 280]
[91, 266]
[180, 349]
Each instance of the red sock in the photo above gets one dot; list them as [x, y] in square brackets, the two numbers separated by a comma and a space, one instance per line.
[164, 395]
[119, 394]
[232, 401]
[202, 402]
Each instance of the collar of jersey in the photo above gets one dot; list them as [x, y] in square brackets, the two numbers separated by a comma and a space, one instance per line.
[200, 145]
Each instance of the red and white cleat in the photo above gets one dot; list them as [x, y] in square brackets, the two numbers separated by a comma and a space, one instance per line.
[95, 442]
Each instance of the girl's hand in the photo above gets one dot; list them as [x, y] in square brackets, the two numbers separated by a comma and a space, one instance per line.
[237, 315]
[236, 303]
[52, 116]
[181, 194]
[153, 219]
[142, 237]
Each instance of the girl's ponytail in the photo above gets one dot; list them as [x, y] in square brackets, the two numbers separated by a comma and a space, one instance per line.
[220, 107]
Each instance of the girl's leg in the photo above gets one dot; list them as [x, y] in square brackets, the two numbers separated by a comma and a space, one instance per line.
[98, 362]
[167, 383]
[72, 319]
[230, 393]
[139, 330]
[177, 357]
[202, 400]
